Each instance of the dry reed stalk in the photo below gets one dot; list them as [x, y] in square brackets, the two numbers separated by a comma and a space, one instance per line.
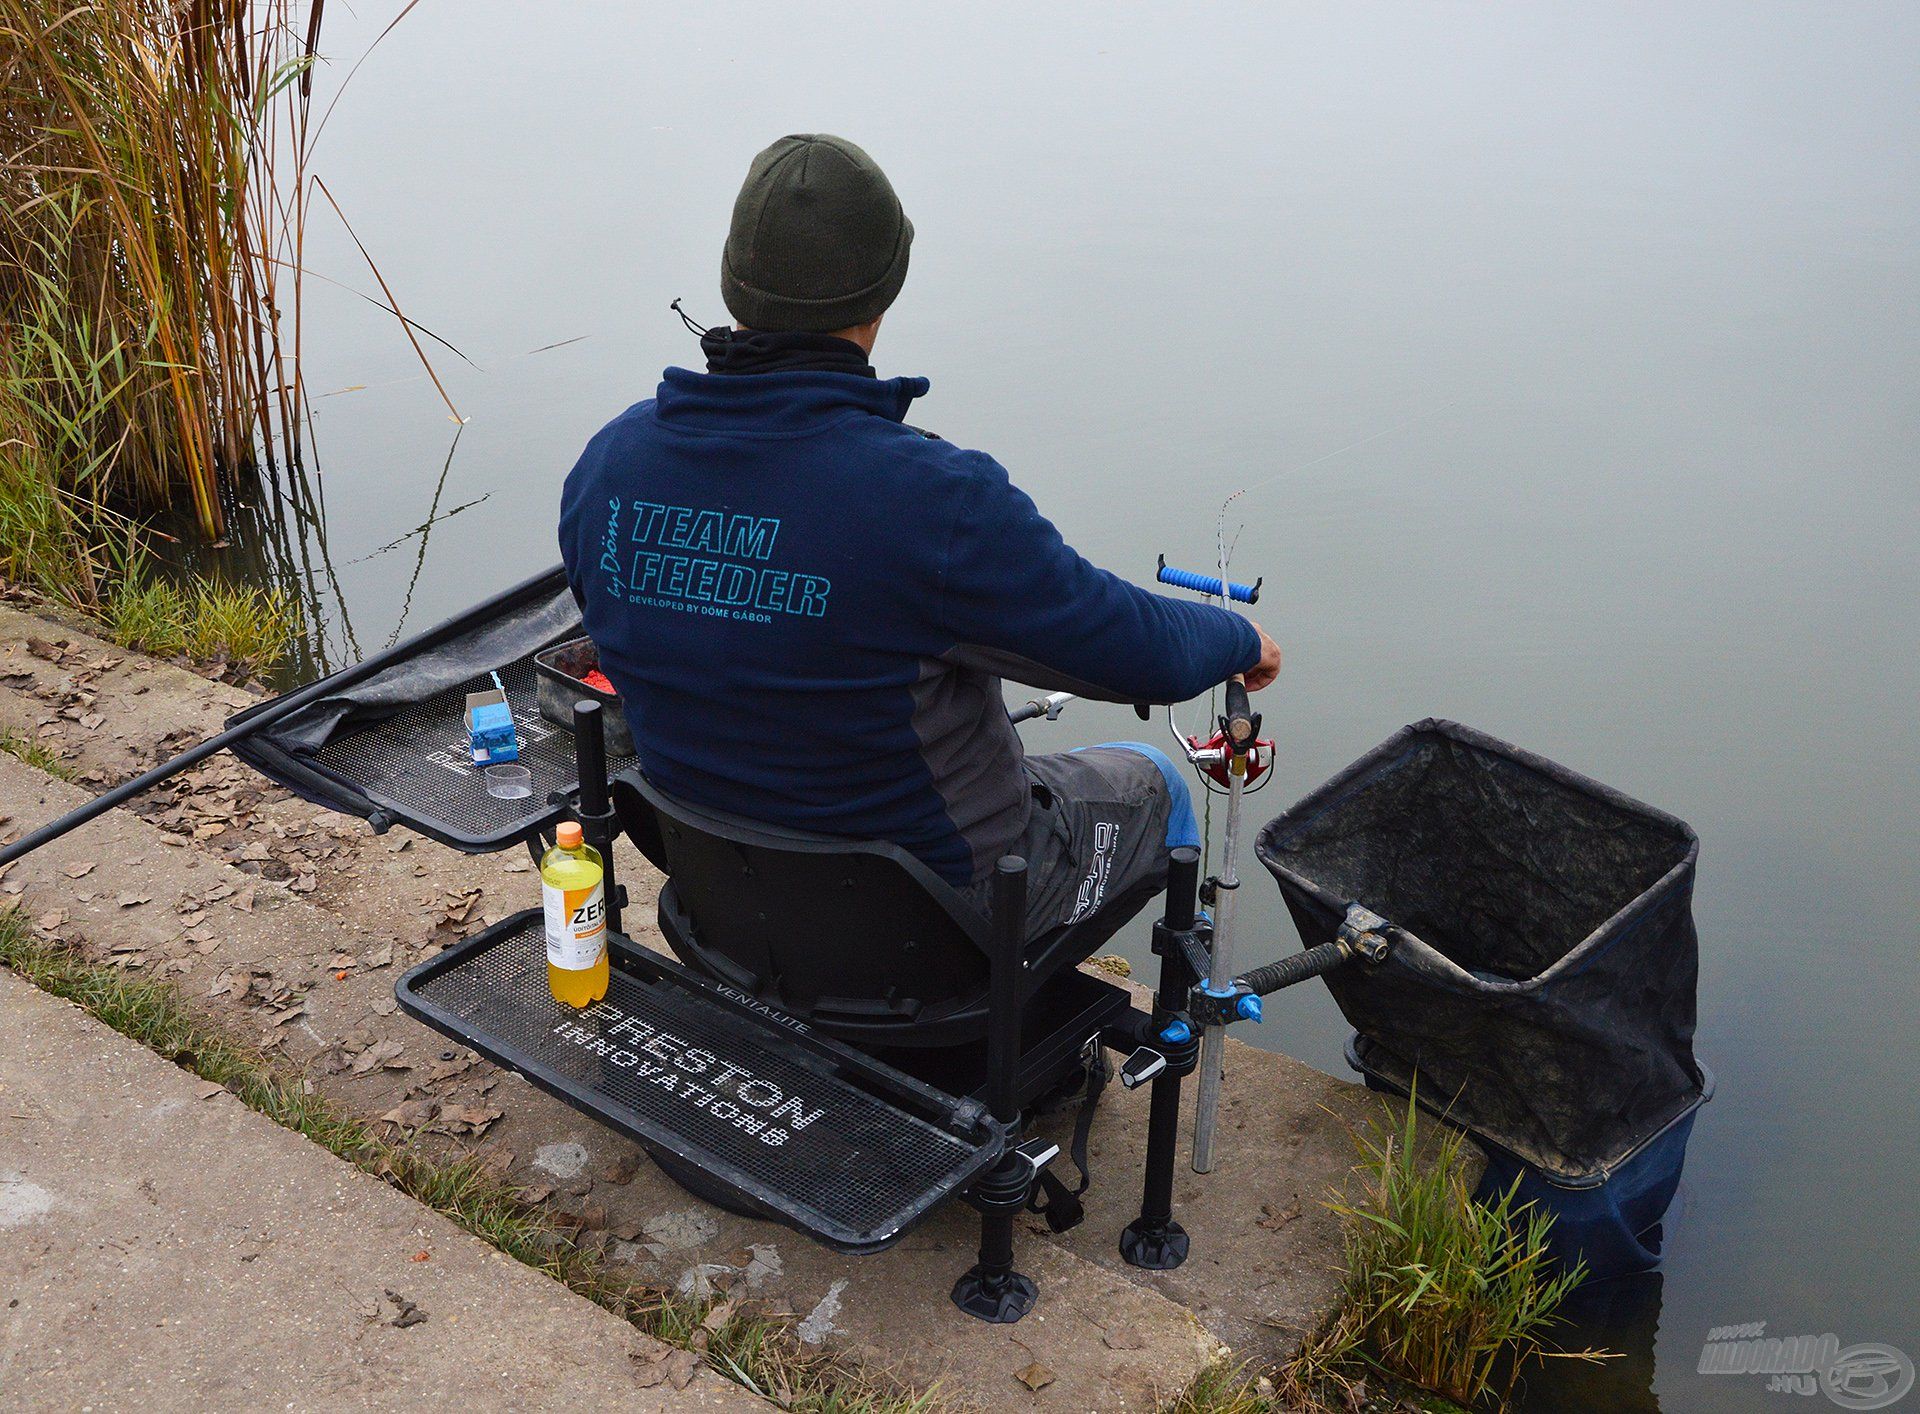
[153, 177]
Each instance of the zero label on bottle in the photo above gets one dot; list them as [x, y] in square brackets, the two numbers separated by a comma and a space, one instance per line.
[576, 924]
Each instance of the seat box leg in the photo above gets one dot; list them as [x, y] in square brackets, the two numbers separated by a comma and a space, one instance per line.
[992, 1290]
[1153, 1240]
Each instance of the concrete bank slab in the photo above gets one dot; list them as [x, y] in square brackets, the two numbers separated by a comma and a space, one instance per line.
[165, 1249]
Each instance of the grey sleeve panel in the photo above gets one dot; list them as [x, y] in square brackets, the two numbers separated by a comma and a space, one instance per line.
[974, 755]
[1001, 663]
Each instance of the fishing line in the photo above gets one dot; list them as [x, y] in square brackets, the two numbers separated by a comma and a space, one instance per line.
[1224, 549]
[1400, 426]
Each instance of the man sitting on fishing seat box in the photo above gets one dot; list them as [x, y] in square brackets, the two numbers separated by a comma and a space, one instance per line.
[808, 605]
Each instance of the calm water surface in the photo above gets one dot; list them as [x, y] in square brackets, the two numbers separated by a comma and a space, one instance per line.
[1619, 303]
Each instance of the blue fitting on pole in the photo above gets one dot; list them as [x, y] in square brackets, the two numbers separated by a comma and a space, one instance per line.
[1177, 1033]
[1207, 583]
[1249, 1008]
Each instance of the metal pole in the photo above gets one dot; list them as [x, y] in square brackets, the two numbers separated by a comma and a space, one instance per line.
[991, 1289]
[274, 711]
[1005, 986]
[1213, 1039]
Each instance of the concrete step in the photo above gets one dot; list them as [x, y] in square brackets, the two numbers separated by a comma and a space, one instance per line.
[162, 1247]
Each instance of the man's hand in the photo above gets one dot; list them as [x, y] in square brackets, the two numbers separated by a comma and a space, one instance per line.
[1268, 668]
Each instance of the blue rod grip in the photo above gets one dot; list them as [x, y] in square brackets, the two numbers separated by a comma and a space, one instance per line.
[1207, 583]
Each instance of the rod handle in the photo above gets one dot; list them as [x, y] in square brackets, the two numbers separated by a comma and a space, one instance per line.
[1240, 721]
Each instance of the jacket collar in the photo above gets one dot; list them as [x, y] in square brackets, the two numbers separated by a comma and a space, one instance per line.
[755, 351]
[789, 402]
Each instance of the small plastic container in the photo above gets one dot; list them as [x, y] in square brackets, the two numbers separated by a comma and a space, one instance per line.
[509, 782]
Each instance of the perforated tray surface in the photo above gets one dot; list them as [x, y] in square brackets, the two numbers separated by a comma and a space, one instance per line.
[837, 1145]
[416, 766]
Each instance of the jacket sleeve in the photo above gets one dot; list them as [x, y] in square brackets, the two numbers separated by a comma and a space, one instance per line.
[1018, 601]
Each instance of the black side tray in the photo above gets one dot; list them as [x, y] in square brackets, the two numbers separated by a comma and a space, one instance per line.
[764, 1110]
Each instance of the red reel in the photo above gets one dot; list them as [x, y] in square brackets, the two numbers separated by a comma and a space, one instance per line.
[1259, 759]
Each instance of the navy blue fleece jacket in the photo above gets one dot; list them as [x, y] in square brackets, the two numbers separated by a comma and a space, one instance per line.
[808, 607]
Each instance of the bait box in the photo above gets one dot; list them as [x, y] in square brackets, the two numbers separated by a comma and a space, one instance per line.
[560, 672]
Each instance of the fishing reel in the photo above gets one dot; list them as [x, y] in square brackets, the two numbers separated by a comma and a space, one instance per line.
[1213, 759]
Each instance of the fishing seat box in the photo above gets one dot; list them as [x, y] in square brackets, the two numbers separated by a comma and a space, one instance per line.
[843, 1043]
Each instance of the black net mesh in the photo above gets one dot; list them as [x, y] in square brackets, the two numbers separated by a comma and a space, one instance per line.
[785, 1122]
[1542, 991]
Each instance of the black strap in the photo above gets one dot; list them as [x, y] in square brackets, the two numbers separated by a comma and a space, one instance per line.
[1063, 1209]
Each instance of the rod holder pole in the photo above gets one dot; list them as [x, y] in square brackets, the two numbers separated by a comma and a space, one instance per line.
[596, 808]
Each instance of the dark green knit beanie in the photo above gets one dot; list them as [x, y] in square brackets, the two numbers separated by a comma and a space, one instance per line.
[818, 240]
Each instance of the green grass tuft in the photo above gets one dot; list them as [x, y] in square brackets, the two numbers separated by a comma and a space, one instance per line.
[215, 622]
[763, 1355]
[36, 754]
[1454, 1295]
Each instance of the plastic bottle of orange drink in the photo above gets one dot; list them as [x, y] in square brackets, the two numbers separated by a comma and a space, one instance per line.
[572, 886]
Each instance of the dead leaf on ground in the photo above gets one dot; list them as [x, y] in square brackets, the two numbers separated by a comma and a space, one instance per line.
[78, 871]
[382, 1054]
[620, 1168]
[447, 1069]
[467, 1119]
[665, 1365]
[412, 1114]
[398, 1312]
[1035, 1376]
[134, 900]
[1273, 1219]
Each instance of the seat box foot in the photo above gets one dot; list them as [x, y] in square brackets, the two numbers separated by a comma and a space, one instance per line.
[1155, 1246]
[999, 1297]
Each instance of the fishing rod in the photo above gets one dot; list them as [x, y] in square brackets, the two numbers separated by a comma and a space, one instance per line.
[1230, 752]
[1237, 756]
[278, 710]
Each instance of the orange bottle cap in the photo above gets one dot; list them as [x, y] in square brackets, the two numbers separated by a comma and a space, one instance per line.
[567, 835]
